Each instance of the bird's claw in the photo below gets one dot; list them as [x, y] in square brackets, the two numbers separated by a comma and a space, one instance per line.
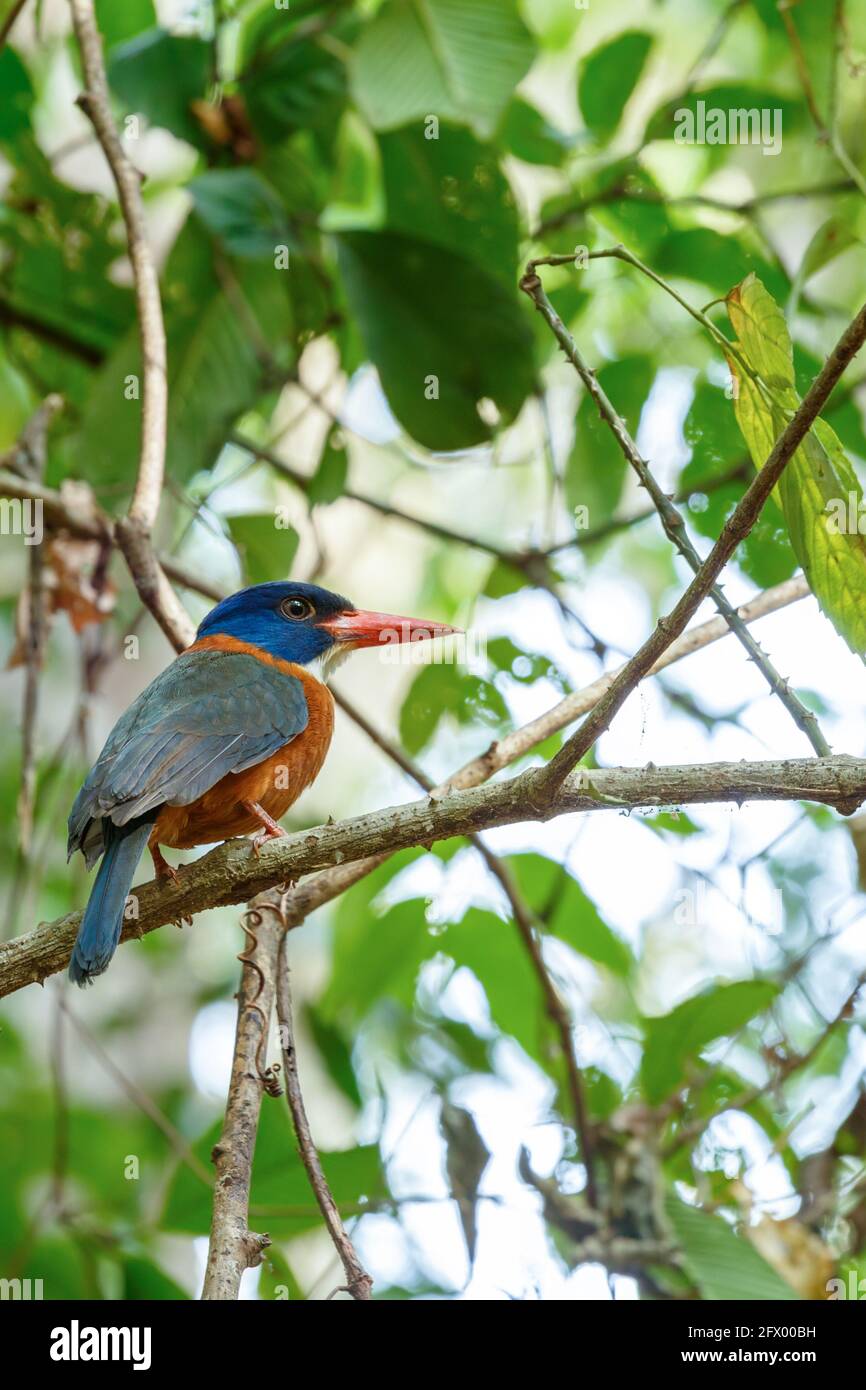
[165, 871]
[262, 837]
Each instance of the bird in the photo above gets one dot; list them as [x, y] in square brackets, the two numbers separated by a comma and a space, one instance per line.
[220, 744]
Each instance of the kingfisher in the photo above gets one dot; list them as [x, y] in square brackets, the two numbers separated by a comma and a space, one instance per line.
[220, 744]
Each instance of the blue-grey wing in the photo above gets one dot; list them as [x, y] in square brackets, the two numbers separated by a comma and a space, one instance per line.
[208, 714]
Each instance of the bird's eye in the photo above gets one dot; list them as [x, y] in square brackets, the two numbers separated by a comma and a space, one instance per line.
[296, 608]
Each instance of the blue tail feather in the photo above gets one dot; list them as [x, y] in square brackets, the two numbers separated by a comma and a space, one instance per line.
[102, 922]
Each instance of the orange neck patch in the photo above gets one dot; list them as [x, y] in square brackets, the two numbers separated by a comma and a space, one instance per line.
[221, 642]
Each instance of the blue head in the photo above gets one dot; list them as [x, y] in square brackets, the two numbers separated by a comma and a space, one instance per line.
[283, 618]
[300, 622]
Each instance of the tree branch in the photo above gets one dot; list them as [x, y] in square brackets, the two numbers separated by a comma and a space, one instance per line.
[358, 1281]
[736, 528]
[133, 531]
[328, 884]
[74, 510]
[233, 1247]
[232, 873]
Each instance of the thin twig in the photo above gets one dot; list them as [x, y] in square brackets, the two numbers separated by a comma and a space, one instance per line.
[527, 928]
[620, 191]
[736, 528]
[692, 1129]
[827, 134]
[358, 1281]
[6, 26]
[435, 528]
[139, 1097]
[74, 510]
[28, 458]
[672, 520]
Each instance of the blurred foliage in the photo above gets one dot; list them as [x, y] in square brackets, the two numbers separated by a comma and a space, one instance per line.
[342, 195]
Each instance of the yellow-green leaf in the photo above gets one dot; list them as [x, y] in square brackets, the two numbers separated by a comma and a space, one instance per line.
[818, 492]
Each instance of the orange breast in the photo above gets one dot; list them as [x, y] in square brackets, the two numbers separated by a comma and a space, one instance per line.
[275, 783]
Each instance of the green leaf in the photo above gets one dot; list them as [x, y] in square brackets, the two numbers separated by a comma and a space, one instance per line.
[267, 550]
[714, 260]
[279, 1184]
[56, 249]
[289, 83]
[525, 133]
[278, 1280]
[724, 1266]
[819, 489]
[376, 959]
[568, 913]
[603, 1095]
[711, 430]
[521, 665]
[453, 59]
[242, 210]
[17, 92]
[443, 333]
[335, 1053]
[672, 1039]
[493, 951]
[672, 823]
[503, 580]
[596, 468]
[453, 191]
[357, 198]
[438, 690]
[466, 1158]
[158, 75]
[117, 23]
[329, 480]
[711, 433]
[607, 79]
[832, 238]
[143, 1280]
[61, 1265]
[215, 372]
[725, 96]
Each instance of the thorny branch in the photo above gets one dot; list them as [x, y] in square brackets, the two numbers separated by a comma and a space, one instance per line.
[30, 962]
[232, 874]
[736, 528]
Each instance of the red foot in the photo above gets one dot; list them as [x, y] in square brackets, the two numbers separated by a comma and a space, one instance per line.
[270, 829]
[162, 868]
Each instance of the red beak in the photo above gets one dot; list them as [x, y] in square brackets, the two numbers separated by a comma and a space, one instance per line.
[362, 629]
